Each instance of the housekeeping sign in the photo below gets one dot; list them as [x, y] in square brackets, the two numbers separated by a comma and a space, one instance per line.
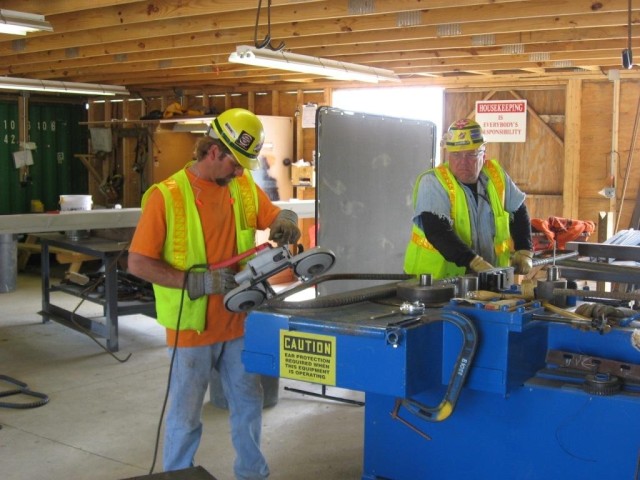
[502, 120]
[308, 357]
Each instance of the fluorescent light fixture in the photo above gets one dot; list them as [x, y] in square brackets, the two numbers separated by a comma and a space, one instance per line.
[14, 83]
[19, 23]
[294, 62]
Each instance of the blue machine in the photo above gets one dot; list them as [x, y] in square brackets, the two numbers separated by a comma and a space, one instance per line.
[543, 398]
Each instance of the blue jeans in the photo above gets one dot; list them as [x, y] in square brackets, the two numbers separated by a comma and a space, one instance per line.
[189, 380]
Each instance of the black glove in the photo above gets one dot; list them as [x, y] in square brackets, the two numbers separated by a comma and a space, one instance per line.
[211, 282]
[284, 229]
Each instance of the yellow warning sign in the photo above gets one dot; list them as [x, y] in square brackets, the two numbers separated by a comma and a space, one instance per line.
[308, 357]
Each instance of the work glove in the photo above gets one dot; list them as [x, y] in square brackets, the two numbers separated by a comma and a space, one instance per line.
[284, 229]
[479, 264]
[210, 282]
[522, 261]
[597, 310]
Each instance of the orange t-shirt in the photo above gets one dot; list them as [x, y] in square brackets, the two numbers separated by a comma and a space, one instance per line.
[215, 207]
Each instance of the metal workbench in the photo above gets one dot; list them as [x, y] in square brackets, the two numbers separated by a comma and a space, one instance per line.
[106, 325]
[607, 262]
[102, 219]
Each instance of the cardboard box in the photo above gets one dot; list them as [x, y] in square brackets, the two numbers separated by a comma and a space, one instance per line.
[301, 175]
[305, 193]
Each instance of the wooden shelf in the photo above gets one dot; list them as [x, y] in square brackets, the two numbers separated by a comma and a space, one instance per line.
[116, 121]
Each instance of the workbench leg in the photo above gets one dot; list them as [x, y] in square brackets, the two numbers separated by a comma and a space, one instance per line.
[8, 262]
[45, 273]
[24, 255]
[111, 301]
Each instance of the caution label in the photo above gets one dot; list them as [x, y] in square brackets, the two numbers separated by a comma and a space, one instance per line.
[308, 357]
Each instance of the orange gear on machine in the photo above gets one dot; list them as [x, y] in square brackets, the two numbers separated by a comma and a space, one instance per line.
[463, 135]
[242, 133]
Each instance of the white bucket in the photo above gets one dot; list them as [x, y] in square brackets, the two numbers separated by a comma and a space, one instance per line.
[75, 202]
[69, 203]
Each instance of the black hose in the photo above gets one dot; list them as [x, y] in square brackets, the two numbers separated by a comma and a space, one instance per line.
[21, 390]
[44, 399]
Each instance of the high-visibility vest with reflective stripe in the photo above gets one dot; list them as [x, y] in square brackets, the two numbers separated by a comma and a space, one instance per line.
[184, 244]
[245, 210]
[422, 257]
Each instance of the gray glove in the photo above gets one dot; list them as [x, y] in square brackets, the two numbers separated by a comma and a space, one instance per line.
[479, 264]
[597, 310]
[211, 282]
[284, 229]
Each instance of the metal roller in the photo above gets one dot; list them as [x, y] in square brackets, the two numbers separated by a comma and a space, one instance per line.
[242, 300]
[421, 290]
[313, 262]
[546, 289]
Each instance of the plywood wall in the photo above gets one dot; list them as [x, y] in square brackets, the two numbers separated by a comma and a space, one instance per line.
[114, 113]
[536, 165]
[606, 114]
[609, 112]
[561, 176]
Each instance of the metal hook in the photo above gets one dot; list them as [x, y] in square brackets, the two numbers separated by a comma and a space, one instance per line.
[266, 42]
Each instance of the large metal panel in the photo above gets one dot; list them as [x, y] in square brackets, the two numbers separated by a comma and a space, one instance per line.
[365, 171]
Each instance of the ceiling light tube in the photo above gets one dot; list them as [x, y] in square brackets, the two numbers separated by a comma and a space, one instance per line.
[20, 23]
[54, 86]
[294, 62]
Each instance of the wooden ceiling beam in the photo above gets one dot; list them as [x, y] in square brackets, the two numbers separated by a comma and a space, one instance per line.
[606, 59]
[207, 57]
[604, 63]
[54, 7]
[225, 49]
[166, 44]
[601, 57]
[128, 13]
[171, 47]
[564, 16]
[556, 39]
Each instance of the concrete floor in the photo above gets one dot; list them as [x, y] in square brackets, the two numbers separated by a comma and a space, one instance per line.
[102, 417]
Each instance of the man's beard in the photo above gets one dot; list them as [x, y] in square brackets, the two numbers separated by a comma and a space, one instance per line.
[223, 181]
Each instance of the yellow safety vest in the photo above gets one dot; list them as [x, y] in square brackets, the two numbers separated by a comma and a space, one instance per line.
[422, 257]
[184, 245]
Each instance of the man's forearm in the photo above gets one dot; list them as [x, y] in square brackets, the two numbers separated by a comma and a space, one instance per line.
[155, 271]
[521, 229]
[440, 234]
